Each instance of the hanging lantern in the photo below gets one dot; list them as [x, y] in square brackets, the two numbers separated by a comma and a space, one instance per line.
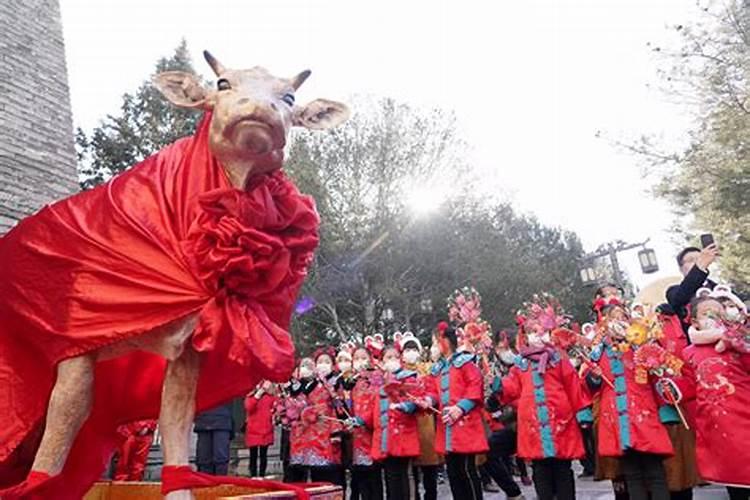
[588, 275]
[647, 258]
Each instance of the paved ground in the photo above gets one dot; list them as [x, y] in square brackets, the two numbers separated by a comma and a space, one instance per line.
[587, 489]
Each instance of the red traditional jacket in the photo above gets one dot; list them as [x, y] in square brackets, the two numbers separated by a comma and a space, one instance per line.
[548, 404]
[312, 438]
[259, 419]
[675, 341]
[394, 430]
[363, 401]
[629, 413]
[458, 381]
[720, 384]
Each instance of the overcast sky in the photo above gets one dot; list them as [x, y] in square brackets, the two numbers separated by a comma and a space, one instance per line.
[531, 81]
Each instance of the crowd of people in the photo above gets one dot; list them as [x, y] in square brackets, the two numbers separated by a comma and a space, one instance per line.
[655, 399]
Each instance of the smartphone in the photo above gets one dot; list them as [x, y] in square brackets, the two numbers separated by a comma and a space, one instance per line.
[707, 240]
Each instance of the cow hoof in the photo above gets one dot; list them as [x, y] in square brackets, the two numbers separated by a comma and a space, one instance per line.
[180, 495]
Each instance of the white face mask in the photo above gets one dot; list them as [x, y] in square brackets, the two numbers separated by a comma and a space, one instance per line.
[507, 357]
[536, 340]
[323, 369]
[361, 364]
[305, 372]
[618, 328]
[708, 324]
[345, 366]
[733, 314]
[392, 365]
[434, 353]
[411, 356]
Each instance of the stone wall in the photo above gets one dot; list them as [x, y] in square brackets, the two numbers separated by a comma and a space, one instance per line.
[37, 157]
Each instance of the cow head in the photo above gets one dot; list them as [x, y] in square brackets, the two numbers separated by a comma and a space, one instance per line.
[253, 112]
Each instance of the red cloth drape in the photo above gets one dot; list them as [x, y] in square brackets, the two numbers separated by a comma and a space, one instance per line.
[169, 237]
[181, 478]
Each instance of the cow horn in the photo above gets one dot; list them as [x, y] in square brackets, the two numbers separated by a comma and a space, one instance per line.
[214, 63]
[298, 80]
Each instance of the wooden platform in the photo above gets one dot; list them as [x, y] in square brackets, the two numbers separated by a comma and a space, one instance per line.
[115, 490]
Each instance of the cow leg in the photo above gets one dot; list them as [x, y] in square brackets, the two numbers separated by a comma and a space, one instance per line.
[69, 406]
[178, 411]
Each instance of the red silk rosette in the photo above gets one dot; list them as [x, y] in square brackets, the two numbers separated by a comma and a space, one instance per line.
[252, 249]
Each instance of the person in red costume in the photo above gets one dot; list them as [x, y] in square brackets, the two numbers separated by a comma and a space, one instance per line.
[395, 440]
[629, 424]
[681, 469]
[176, 278]
[718, 379]
[132, 454]
[457, 390]
[259, 425]
[367, 472]
[315, 448]
[548, 393]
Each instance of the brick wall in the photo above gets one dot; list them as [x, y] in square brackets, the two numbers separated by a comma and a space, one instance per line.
[37, 158]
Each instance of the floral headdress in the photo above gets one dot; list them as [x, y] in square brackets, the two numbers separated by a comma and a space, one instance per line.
[465, 311]
[464, 306]
[544, 309]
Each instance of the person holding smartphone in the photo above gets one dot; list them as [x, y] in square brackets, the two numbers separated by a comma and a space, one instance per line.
[694, 265]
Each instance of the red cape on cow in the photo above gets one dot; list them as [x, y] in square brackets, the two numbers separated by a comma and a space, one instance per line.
[167, 238]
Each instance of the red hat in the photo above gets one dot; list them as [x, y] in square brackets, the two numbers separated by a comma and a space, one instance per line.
[330, 351]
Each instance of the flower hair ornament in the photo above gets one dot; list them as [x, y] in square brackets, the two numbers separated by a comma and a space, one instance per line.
[600, 303]
[375, 344]
[441, 328]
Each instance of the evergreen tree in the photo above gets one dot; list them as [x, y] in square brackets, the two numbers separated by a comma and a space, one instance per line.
[146, 123]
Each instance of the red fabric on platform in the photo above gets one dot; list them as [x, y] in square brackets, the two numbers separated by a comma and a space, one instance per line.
[184, 478]
[167, 238]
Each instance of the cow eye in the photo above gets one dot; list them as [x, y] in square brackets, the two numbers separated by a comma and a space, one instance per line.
[289, 99]
[223, 84]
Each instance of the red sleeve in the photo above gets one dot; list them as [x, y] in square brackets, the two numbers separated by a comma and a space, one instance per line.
[511, 386]
[473, 383]
[573, 384]
[686, 381]
[251, 402]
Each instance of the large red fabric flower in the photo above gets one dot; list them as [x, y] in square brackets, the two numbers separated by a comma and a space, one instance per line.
[252, 248]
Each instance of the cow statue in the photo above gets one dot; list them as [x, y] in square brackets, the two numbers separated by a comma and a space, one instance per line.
[166, 291]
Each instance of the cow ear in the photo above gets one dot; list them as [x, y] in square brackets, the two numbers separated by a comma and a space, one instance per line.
[183, 89]
[321, 114]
